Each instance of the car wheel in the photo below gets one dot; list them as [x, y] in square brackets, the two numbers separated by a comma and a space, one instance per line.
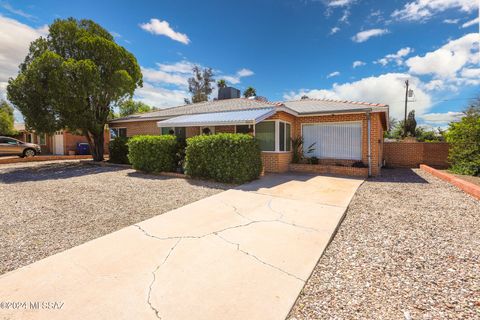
[29, 153]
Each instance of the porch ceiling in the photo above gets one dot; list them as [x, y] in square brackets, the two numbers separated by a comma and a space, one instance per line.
[241, 117]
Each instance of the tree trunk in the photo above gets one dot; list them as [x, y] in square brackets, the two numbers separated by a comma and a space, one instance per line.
[96, 146]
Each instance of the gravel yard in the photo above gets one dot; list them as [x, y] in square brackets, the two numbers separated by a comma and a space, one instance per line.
[471, 179]
[50, 207]
[409, 248]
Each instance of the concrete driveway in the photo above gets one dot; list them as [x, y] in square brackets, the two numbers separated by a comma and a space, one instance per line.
[241, 254]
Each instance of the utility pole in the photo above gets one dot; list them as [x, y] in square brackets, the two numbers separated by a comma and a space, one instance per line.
[405, 118]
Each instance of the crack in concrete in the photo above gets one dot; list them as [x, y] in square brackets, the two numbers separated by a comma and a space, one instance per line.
[217, 234]
[236, 211]
[157, 312]
[258, 259]
[251, 221]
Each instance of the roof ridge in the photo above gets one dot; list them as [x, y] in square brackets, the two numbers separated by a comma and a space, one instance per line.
[343, 101]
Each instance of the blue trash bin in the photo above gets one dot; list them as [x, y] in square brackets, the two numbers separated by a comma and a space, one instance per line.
[83, 148]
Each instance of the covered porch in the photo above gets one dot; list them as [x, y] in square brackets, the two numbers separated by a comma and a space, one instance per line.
[273, 134]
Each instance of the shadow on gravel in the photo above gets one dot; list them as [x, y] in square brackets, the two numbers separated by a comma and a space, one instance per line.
[51, 171]
[399, 175]
[193, 182]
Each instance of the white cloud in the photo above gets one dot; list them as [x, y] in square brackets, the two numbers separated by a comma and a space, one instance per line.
[245, 73]
[183, 66]
[471, 23]
[446, 61]
[363, 36]
[159, 76]
[15, 40]
[446, 117]
[358, 63]
[387, 88]
[333, 74]
[160, 97]
[237, 78]
[450, 21]
[166, 85]
[397, 57]
[176, 74]
[419, 10]
[345, 16]
[470, 73]
[7, 6]
[159, 27]
[334, 30]
[339, 3]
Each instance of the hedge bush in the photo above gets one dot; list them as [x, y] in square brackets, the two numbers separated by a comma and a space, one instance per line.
[224, 157]
[118, 150]
[153, 153]
[464, 140]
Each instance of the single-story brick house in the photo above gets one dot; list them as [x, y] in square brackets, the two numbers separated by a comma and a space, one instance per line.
[59, 143]
[344, 132]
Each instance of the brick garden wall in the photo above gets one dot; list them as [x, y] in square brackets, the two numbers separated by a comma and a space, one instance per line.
[411, 155]
[276, 161]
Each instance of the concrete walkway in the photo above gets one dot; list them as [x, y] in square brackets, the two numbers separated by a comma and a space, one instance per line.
[242, 254]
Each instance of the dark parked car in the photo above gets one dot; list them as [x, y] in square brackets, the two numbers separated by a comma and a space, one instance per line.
[14, 147]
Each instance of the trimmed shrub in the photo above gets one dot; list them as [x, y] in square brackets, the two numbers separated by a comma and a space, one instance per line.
[153, 153]
[118, 150]
[464, 140]
[224, 157]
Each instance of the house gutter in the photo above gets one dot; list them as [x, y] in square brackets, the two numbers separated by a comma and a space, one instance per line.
[369, 121]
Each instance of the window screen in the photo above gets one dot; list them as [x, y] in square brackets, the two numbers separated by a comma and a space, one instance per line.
[334, 140]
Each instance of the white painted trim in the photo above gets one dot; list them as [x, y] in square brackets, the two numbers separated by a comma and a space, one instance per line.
[117, 128]
[277, 134]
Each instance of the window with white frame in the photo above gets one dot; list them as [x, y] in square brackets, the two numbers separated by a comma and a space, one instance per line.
[274, 135]
[117, 132]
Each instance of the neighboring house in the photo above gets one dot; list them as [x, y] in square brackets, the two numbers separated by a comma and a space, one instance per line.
[343, 132]
[60, 143]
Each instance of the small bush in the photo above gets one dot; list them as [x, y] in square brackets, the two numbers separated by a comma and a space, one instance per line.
[225, 157]
[118, 150]
[153, 153]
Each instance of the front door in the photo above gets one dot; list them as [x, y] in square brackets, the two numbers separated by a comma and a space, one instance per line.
[58, 143]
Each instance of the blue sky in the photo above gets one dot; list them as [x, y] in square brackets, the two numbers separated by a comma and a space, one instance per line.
[341, 49]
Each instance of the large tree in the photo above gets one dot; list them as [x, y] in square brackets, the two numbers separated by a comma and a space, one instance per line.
[130, 106]
[72, 78]
[6, 119]
[200, 84]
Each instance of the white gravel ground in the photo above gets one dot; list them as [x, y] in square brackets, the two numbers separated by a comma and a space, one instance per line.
[49, 207]
[409, 248]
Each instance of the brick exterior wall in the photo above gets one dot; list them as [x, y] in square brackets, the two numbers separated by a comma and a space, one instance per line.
[192, 131]
[276, 161]
[412, 154]
[138, 127]
[376, 138]
[225, 129]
